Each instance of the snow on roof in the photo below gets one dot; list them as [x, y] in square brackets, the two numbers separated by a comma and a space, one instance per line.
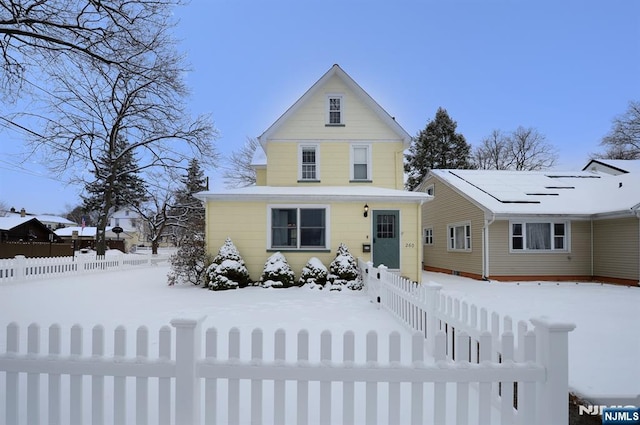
[88, 232]
[8, 223]
[259, 157]
[576, 193]
[313, 194]
[46, 218]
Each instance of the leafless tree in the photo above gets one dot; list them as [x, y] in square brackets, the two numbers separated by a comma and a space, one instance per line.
[521, 149]
[623, 141]
[530, 150]
[239, 171]
[155, 212]
[35, 34]
[492, 154]
[96, 106]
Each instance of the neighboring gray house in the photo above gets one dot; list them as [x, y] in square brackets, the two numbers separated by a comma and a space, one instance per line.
[535, 225]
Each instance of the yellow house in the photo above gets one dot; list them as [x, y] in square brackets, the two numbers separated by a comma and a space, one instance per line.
[329, 171]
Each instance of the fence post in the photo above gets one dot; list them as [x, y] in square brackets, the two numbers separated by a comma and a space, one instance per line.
[20, 265]
[553, 353]
[187, 391]
[432, 299]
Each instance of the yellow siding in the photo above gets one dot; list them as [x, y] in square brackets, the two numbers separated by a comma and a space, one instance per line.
[246, 224]
[334, 164]
[616, 248]
[308, 122]
[261, 177]
[574, 263]
[448, 207]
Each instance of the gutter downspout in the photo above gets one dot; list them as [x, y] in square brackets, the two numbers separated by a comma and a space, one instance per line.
[485, 246]
[420, 247]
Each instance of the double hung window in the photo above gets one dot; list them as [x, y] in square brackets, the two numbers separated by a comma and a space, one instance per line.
[308, 160]
[335, 110]
[427, 234]
[361, 162]
[459, 235]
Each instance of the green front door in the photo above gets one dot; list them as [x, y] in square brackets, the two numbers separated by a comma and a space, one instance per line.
[386, 238]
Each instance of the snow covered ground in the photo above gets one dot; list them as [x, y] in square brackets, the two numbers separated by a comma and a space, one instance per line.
[604, 349]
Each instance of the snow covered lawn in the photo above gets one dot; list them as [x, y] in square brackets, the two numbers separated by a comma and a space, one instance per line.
[604, 349]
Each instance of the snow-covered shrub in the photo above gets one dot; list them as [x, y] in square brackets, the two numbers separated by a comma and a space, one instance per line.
[228, 270]
[277, 273]
[189, 263]
[314, 274]
[343, 271]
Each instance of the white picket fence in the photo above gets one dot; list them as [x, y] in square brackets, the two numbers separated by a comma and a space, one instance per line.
[20, 268]
[477, 341]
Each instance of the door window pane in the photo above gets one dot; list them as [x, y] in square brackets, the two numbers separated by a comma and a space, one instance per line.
[386, 226]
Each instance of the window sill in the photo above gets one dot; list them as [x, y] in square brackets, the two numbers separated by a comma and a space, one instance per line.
[360, 181]
[334, 125]
[459, 250]
[298, 250]
[539, 251]
[309, 181]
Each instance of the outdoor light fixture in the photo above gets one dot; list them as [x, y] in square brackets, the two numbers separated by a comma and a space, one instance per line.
[366, 210]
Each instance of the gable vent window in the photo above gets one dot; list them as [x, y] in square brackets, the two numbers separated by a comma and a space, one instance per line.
[335, 110]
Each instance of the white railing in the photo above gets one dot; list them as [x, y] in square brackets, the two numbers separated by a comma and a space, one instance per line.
[20, 268]
[473, 337]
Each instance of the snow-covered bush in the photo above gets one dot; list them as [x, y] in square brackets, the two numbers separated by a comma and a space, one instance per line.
[314, 274]
[189, 263]
[228, 270]
[343, 271]
[277, 273]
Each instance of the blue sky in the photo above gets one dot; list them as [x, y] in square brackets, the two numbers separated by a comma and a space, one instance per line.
[566, 68]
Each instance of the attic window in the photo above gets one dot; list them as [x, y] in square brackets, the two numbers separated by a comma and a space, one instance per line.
[335, 110]
[559, 187]
[542, 194]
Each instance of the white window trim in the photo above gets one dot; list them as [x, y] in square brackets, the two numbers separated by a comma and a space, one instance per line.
[327, 226]
[369, 160]
[427, 240]
[342, 109]
[316, 146]
[430, 190]
[524, 250]
[468, 243]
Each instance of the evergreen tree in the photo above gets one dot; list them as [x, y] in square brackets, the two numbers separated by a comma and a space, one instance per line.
[116, 184]
[190, 263]
[188, 212]
[437, 146]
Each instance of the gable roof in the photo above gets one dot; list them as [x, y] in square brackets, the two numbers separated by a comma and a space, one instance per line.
[359, 92]
[531, 193]
[8, 223]
[614, 166]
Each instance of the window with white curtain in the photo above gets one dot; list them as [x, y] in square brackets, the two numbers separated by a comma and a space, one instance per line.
[459, 235]
[539, 235]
